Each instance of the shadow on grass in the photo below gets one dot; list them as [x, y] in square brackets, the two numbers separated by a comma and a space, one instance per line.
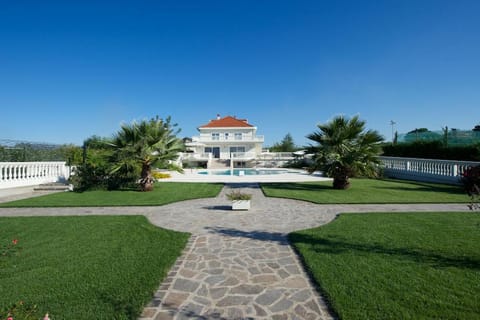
[298, 186]
[121, 306]
[339, 246]
[420, 186]
[381, 185]
[452, 190]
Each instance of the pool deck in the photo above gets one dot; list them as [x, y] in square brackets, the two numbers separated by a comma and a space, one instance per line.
[192, 175]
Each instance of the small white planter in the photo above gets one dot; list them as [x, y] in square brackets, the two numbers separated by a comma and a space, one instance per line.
[240, 204]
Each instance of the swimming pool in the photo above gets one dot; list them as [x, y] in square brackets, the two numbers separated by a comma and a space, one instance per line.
[245, 172]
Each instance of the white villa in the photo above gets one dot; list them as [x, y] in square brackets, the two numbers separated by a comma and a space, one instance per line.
[223, 140]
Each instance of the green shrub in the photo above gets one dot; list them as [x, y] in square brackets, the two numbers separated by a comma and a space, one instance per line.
[238, 195]
[89, 177]
[161, 175]
[471, 184]
[432, 150]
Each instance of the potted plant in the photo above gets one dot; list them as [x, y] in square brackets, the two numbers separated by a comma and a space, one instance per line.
[240, 200]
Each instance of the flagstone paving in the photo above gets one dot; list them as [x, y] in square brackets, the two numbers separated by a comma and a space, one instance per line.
[240, 269]
[225, 277]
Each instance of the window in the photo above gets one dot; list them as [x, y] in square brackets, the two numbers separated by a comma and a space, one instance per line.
[238, 136]
[215, 136]
[214, 150]
[226, 135]
[237, 149]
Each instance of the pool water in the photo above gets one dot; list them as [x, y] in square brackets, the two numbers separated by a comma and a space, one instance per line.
[246, 172]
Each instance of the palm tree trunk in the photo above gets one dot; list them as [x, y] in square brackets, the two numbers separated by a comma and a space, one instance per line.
[341, 182]
[146, 180]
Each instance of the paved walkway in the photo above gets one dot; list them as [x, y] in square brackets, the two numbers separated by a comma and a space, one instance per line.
[237, 265]
[238, 268]
[12, 194]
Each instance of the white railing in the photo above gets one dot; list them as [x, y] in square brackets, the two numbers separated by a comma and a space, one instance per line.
[264, 156]
[231, 138]
[197, 156]
[21, 174]
[276, 156]
[242, 155]
[429, 170]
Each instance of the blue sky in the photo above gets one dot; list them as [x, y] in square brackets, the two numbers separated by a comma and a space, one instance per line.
[72, 69]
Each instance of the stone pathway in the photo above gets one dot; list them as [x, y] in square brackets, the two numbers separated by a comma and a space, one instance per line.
[237, 277]
[232, 273]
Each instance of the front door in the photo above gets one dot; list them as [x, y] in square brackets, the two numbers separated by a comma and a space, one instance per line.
[216, 152]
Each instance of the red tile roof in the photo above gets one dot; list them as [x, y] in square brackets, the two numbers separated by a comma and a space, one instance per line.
[227, 122]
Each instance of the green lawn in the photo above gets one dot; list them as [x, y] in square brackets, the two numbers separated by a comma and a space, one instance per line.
[163, 193]
[85, 267]
[397, 266]
[368, 191]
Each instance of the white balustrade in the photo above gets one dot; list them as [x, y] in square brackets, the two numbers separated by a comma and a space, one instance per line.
[429, 170]
[229, 138]
[277, 156]
[264, 156]
[196, 156]
[20, 174]
[242, 155]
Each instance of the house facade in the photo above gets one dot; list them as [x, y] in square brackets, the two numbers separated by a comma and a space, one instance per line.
[223, 140]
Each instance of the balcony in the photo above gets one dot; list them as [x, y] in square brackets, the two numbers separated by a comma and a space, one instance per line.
[277, 156]
[196, 156]
[230, 139]
[243, 156]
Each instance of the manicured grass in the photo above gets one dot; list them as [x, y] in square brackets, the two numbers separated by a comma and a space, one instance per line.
[368, 191]
[163, 193]
[85, 267]
[397, 266]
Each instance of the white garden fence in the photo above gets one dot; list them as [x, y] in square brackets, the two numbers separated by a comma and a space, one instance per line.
[428, 170]
[21, 174]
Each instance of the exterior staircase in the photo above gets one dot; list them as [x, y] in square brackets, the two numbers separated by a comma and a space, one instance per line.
[55, 186]
[219, 164]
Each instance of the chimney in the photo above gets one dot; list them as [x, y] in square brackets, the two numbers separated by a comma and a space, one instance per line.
[218, 116]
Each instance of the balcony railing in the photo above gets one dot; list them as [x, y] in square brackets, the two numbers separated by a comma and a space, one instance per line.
[276, 156]
[242, 156]
[196, 156]
[229, 139]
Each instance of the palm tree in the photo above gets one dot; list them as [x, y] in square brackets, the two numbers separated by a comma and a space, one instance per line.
[139, 146]
[344, 149]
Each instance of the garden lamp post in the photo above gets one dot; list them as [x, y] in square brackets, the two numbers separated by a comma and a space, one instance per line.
[392, 123]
